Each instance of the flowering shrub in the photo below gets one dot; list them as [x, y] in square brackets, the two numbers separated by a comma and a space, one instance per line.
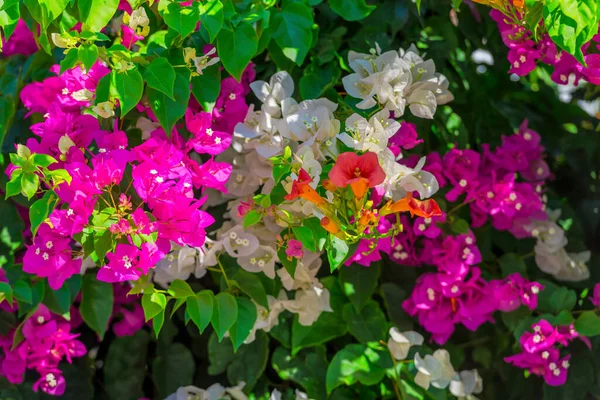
[299, 199]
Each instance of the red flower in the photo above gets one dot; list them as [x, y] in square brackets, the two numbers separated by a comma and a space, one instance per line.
[422, 208]
[360, 172]
[301, 188]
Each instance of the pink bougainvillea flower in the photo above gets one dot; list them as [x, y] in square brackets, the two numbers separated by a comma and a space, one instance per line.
[205, 140]
[360, 172]
[294, 249]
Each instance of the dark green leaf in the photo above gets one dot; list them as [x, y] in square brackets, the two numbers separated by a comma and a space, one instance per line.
[125, 366]
[246, 318]
[160, 75]
[236, 48]
[200, 308]
[167, 111]
[359, 283]
[96, 303]
[128, 87]
[588, 324]
[181, 19]
[211, 17]
[292, 30]
[368, 325]
[206, 87]
[352, 10]
[22, 291]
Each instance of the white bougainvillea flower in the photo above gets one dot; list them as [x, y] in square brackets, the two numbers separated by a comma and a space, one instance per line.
[305, 274]
[262, 260]
[401, 179]
[267, 319]
[138, 18]
[242, 182]
[104, 109]
[371, 135]
[239, 243]
[400, 343]
[305, 159]
[272, 94]
[276, 395]
[205, 61]
[309, 304]
[207, 256]
[310, 119]
[213, 392]
[180, 263]
[435, 370]
[82, 95]
[467, 384]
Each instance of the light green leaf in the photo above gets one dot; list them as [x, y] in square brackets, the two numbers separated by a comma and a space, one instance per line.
[181, 19]
[225, 312]
[9, 17]
[153, 304]
[211, 17]
[29, 184]
[357, 363]
[41, 209]
[368, 325]
[88, 54]
[180, 289]
[200, 308]
[252, 218]
[96, 13]
[128, 87]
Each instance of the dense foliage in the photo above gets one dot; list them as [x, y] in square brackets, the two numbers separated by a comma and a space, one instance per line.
[299, 199]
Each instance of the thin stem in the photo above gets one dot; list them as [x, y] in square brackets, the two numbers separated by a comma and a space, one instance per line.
[461, 205]
[396, 381]
[223, 271]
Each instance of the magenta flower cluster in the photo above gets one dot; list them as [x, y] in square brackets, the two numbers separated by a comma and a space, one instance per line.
[47, 341]
[541, 354]
[148, 189]
[524, 53]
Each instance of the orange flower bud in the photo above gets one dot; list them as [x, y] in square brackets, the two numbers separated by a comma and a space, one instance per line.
[329, 225]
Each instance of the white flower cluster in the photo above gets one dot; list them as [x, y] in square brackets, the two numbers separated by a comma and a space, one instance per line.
[396, 79]
[550, 254]
[219, 392]
[435, 370]
[311, 130]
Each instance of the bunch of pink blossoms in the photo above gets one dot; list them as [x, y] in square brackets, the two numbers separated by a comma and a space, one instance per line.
[145, 195]
[541, 355]
[524, 53]
[457, 294]
[47, 341]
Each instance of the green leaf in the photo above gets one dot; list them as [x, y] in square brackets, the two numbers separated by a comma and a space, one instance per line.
[563, 299]
[157, 322]
[22, 291]
[29, 185]
[44, 12]
[393, 295]
[368, 325]
[359, 283]
[224, 313]
[7, 292]
[306, 237]
[9, 17]
[70, 60]
[328, 326]
[292, 30]
[588, 324]
[211, 17]
[206, 87]
[250, 362]
[125, 366]
[153, 304]
[242, 327]
[251, 284]
[96, 13]
[59, 301]
[43, 160]
[460, 226]
[102, 245]
[353, 10]
[160, 75]
[172, 369]
[181, 19]
[236, 48]
[308, 368]
[180, 289]
[357, 363]
[319, 233]
[339, 251]
[200, 308]
[88, 54]
[253, 217]
[41, 209]
[168, 111]
[318, 79]
[511, 263]
[128, 87]
[96, 303]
